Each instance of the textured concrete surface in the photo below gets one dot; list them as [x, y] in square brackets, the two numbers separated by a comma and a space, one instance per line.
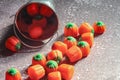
[103, 63]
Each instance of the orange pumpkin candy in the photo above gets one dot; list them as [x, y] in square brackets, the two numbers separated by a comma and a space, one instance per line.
[88, 37]
[54, 76]
[85, 27]
[36, 72]
[74, 54]
[71, 29]
[66, 71]
[13, 44]
[99, 27]
[39, 59]
[51, 66]
[70, 41]
[13, 74]
[58, 45]
[84, 47]
[55, 55]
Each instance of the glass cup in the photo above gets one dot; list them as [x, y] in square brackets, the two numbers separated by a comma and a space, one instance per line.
[36, 23]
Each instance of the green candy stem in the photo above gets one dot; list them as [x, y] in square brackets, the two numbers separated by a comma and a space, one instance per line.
[71, 38]
[81, 44]
[38, 57]
[12, 71]
[92, 31]
[58, 59]
[18, 46]
[69, 25]
[100, 23]
[51, 64]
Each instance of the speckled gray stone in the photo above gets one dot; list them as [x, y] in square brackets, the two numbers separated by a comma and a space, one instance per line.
[103, 63]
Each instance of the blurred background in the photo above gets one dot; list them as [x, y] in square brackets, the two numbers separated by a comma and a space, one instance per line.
[103, 63]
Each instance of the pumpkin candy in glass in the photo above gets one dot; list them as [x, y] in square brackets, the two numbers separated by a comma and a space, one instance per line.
[35, 31]
[33, 9]
[36, 23]
[39, 21]
[45, 11]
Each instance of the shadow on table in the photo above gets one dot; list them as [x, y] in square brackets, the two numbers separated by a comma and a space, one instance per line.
[5, 33]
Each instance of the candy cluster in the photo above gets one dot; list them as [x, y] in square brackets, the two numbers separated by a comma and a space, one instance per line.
[58, 63]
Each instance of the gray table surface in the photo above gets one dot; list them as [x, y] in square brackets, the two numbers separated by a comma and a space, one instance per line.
[103, 63]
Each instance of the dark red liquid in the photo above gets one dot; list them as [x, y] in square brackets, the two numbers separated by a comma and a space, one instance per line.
[48, 24]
